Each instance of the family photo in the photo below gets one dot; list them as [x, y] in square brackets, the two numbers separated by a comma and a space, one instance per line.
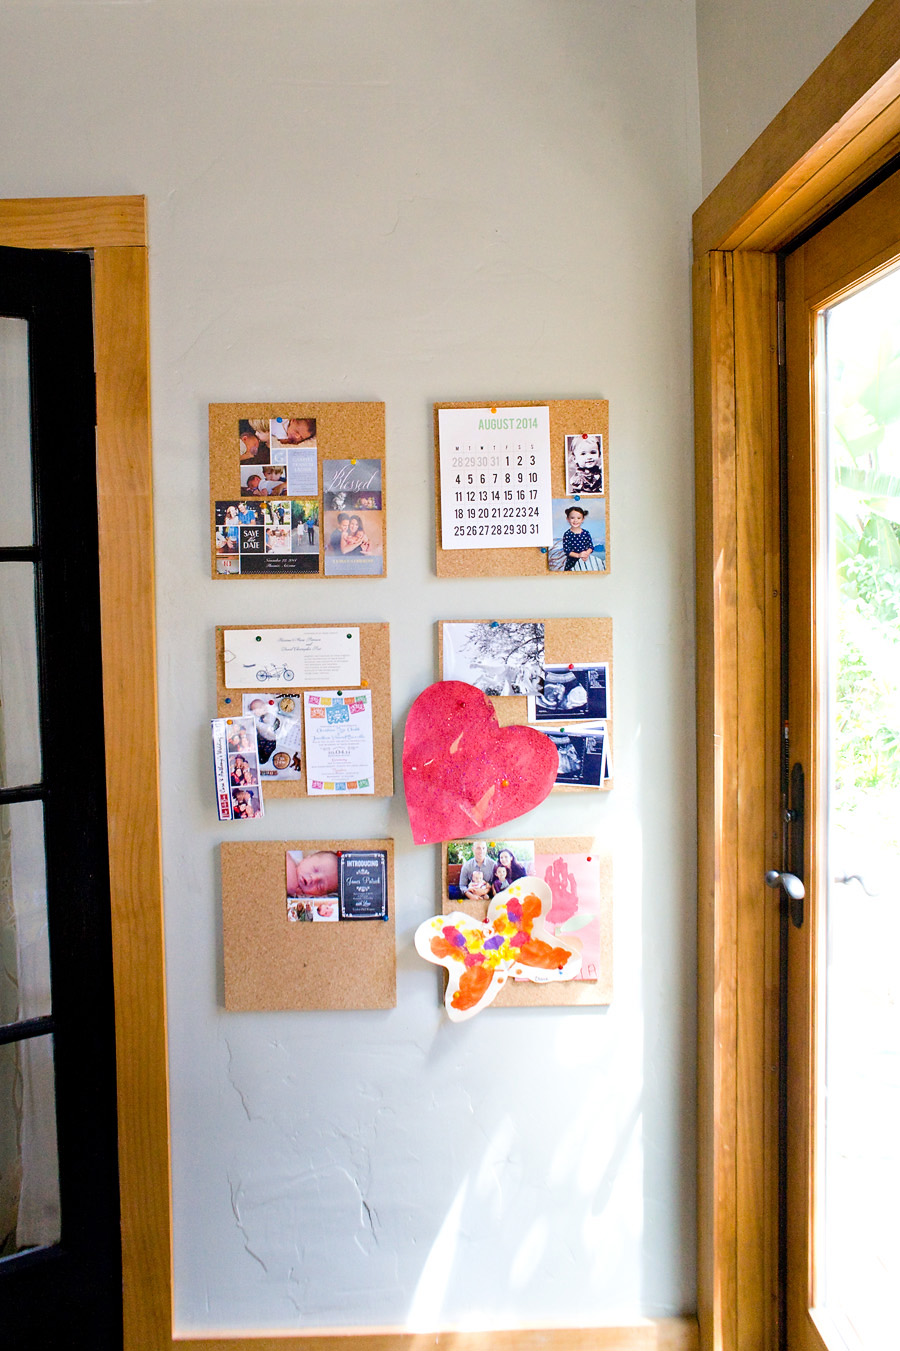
[478, 870]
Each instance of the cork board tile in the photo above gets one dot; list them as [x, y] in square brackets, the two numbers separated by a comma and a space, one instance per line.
[570, 993]
[375, 673]
[344, 431]
[568, 417]
[565, 640]
[272, 963]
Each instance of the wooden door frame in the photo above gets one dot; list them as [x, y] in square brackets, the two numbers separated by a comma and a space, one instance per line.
[114, 230]
[838, 129]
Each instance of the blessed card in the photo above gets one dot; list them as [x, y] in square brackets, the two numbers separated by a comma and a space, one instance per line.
[273, 466]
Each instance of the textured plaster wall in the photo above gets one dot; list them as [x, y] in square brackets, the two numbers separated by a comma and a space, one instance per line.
[752, 56]
[410, 202]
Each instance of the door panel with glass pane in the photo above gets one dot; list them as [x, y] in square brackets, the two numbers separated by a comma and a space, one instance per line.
[59, 1242]
[843, 509]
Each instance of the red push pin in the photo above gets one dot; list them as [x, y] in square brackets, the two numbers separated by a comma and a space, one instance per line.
[584, 436]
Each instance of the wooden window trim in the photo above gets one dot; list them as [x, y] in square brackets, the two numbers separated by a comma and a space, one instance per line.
[838, 129]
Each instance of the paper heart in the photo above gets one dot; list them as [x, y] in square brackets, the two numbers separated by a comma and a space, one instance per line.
[462, 771]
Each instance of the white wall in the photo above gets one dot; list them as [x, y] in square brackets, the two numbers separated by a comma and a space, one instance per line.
[405, 201]
[752, 57]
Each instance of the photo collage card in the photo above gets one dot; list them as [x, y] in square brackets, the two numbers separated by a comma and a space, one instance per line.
[281, 520]
[579, 525]
[326, 886]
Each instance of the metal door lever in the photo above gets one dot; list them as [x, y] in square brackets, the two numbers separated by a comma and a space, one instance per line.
[794, 890]
[792, 885]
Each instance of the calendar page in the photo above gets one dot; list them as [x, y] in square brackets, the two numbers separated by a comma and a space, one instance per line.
[495, 478]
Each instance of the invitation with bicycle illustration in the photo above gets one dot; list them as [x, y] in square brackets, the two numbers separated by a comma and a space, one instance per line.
[522, 488]
[309, 924]
[553, 674]
[476, 872]
[297, 489]
[319, 696]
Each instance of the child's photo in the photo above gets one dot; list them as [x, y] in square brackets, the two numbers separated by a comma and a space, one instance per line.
[579, 537]
[254, 441]
[584, 464]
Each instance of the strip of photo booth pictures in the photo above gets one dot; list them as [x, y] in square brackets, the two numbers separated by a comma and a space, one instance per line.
[324, 885]
[498, 659]
[583, 754]
[478, 870]
[236, 768]
[584, 465]
[278, 720]
[579, 690]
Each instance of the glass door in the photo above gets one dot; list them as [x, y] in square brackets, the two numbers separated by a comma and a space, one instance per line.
[60, 1278]
[843, 541]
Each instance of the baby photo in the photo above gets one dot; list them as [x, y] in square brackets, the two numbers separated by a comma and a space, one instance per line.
[584, 464]
[312, 876]
[580, 690]
[268, 480]
[253, 437]
[292, 431]
[583, 761]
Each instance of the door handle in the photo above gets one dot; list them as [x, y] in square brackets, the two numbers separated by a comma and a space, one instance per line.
[855, 877]
[793, 889]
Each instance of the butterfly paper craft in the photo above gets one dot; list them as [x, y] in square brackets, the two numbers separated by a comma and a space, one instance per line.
[513, 941]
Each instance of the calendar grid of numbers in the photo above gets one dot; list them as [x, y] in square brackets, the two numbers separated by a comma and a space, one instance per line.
[495, 478]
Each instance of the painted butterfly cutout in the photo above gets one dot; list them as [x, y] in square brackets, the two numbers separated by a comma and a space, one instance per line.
[514, 940]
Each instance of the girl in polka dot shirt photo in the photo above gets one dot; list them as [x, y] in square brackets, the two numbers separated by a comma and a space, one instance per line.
[576, 543]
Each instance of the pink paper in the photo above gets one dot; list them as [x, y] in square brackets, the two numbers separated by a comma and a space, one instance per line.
[574, 883]
[462, 771]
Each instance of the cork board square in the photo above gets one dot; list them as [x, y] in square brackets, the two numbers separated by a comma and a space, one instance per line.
[568, 417]
[585, 640]
[272, 963]
[351, 432]
[375, 674]
[566, 993]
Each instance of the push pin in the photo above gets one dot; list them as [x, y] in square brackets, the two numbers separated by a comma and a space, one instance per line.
[493, 410]
[571, 666]
[340, 694]
[577, 498]
[584, 436]
[259, 637]
[228, 701]
[364, 683]
[504, 783]
[495, 624]
[353, 462]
